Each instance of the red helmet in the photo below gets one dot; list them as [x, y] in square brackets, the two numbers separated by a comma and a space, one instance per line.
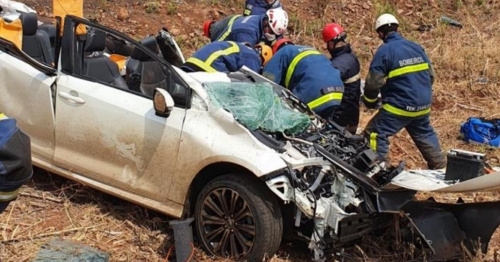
[206, 28]
[280, 42]
[333, 32]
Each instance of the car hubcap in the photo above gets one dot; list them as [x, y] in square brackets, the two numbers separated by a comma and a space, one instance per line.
[227, 224]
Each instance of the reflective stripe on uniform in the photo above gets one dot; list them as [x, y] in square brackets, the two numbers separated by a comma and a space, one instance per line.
[373, 141]
[201, 64]
[248, 9]
[408, 69]
[8, 196]
[229, 28]
[325, 99]
[353, 79]
[207, 65]
[294, 63]
[401, 112]
[369, 100]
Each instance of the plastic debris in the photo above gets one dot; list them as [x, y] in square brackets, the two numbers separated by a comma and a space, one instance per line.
[256, 106]
[482, 80]
[450, 21]
[183, 237]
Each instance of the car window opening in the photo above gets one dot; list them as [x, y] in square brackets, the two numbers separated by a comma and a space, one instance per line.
[109, 59]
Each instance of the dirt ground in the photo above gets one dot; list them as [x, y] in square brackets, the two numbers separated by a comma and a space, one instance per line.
[466, 61]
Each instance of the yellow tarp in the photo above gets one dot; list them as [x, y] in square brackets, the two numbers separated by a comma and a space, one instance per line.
[69, 7]
[12, 31]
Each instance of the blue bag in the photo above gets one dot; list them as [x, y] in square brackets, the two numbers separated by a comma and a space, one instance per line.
[481, 130]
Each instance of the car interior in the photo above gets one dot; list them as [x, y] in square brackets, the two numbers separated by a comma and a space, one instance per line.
[107, 58]
[111, 60]
[98, 66]
[135, 64]
[23, 30]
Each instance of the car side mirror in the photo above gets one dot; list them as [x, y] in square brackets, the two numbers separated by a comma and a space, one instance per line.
[162, 102]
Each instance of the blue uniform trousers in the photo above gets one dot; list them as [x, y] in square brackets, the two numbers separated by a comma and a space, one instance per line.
[384, 124]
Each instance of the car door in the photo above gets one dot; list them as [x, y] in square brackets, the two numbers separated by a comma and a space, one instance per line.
[26, 95]
[109, 133]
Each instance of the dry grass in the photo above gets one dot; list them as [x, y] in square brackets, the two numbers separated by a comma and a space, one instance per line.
[54, 207]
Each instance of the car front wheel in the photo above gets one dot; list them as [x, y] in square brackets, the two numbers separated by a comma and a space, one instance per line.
[238, 218]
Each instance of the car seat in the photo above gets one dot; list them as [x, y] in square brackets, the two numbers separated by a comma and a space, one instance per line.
[134, 67]
[52, 32]
[36, 43]
[98, 66]
[153, 76]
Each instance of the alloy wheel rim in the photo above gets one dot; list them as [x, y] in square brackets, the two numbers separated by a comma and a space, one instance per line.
[227, 224]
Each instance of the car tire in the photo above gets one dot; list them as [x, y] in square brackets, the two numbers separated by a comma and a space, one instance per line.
[250, 228]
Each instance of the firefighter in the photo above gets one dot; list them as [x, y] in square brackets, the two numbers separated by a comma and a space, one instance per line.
[228, 56]
[403, 74]
[259, 7]
[251, 29]
[308, 74]
[344, 59]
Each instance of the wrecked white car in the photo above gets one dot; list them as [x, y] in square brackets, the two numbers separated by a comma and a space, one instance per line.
[243, 157]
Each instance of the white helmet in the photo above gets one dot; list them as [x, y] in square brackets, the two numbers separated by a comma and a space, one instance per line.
[385, 19]
[278, 20]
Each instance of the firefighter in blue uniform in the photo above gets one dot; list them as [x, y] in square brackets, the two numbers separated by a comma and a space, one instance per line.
[344, 59]
[308, 74]
[403, 74]
[260, 7]
[227, 56]
[251, 29]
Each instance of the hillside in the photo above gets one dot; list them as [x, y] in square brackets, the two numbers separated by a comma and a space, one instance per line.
[466, 61]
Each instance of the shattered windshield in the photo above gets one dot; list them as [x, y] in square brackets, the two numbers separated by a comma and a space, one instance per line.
[257, 106]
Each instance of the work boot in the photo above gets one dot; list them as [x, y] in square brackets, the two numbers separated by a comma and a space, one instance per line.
[437, 163]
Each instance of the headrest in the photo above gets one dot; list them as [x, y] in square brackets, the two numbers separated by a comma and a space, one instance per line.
[30, 23]
[96, 40]
[149, 42]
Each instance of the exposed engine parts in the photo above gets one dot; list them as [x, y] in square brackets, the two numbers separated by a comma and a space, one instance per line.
[342, 192]
[336, 182]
